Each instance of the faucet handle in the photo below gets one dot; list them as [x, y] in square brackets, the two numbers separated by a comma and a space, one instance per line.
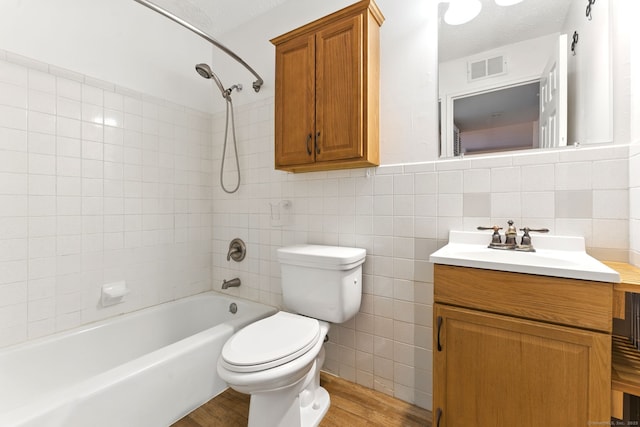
[495, 237]
[237, 250]
[537, 230]
[526, 238]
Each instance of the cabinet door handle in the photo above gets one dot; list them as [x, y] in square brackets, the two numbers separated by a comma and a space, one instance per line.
[439, 329]
[438, 417]
[316, 143]
[309, 144]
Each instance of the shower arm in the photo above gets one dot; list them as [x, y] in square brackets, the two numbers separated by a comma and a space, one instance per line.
[256, 84]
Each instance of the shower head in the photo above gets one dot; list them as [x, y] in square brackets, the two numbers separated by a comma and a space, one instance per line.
[204, 70]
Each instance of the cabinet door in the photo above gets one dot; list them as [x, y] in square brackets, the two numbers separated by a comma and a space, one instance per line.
[295, 101]
[492, 370]
[339, 87]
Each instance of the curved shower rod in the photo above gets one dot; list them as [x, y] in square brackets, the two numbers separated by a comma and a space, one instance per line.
[256, 85]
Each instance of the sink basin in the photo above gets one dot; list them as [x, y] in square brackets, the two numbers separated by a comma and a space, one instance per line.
[558, 256]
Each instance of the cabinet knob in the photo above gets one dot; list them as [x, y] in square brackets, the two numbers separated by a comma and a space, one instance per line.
[309, 144]
[438, 416]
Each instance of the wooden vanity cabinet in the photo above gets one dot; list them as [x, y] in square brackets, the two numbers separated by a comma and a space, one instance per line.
[517, 349]
[327, 92]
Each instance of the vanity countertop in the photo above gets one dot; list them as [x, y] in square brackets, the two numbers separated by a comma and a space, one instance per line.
[557, 256]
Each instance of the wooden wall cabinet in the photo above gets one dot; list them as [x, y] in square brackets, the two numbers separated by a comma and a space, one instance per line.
[516, 349]
[327, 92]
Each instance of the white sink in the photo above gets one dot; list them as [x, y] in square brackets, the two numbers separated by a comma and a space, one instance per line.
[559, 256]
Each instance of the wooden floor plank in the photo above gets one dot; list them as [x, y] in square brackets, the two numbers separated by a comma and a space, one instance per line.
[351, 406]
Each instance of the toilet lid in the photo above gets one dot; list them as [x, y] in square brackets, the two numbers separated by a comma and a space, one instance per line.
[270, 342]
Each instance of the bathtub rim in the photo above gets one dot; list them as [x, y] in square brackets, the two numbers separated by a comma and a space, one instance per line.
[58, 400]
[121, 317]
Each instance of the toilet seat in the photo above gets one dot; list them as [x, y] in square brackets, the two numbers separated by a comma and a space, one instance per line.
[270, 342]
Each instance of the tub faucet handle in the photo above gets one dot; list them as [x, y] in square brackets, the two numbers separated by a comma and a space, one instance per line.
[237, 250]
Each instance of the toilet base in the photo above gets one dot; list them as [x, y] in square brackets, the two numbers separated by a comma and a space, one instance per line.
[302, 404]
[311, 415]
[285, 410]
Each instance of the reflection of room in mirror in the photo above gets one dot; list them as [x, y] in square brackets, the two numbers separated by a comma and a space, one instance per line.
[499, 120]
[531, 38]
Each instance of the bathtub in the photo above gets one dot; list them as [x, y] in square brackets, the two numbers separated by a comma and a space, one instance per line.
[146, 368]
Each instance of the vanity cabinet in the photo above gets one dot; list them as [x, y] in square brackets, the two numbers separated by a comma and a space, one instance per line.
[327, 92]
[518, 349]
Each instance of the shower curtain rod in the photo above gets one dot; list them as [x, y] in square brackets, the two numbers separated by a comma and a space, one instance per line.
[256, 84]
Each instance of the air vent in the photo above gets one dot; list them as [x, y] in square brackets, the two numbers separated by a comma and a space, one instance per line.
[487, 67]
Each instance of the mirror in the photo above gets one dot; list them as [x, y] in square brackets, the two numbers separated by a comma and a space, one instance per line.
[515, 77]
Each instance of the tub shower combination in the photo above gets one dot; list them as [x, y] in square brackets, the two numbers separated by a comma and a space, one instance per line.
[146, 368]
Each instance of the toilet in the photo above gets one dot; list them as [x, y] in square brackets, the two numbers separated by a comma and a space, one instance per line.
[277, 360]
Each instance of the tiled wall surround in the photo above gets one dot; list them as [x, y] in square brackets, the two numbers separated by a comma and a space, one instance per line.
[97, 184]
[401, 214]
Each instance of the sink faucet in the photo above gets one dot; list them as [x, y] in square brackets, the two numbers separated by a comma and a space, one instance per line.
[510, 235]
[233, 283]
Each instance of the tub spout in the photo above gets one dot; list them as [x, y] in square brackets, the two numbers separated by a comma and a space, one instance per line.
[233, 283]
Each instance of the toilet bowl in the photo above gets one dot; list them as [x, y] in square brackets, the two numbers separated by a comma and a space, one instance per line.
[277, 360]
[276, 372]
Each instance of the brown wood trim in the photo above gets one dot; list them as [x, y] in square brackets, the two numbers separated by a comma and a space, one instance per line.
[629, 276]
[625, 366]
[617, 404]
[619, 302]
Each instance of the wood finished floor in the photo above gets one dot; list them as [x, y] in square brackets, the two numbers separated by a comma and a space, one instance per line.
[351, 406]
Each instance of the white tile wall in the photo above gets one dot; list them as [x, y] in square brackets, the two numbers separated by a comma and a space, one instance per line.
[401, 214]
[97, 183]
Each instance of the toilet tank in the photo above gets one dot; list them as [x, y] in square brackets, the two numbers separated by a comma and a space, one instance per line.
[323, 282]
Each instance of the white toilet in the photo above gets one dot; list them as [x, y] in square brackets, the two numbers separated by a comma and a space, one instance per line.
[278, 359]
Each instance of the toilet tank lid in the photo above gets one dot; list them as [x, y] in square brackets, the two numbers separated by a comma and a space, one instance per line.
[339, 257]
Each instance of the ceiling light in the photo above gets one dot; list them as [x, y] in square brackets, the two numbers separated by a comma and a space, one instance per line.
[462, 11]
[507, 2]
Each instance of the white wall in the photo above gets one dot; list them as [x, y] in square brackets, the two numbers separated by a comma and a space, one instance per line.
[96, 185]
[408, 100]
[590, 73]
[525, 61]
[118, 41]
[628, 25]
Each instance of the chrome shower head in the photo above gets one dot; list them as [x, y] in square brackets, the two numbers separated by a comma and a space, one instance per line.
[204, 70]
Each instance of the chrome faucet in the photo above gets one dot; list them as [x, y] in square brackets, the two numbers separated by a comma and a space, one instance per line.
[233, 283]
[511, 234]
[237, 250]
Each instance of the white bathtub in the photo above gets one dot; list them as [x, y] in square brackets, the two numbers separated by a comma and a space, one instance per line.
[147, 368]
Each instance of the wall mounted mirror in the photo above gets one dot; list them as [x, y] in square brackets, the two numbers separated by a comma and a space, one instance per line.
[516, 77]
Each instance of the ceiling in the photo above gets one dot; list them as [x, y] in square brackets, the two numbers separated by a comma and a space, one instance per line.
[498, 26]
[494, 26]
[216, 17]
